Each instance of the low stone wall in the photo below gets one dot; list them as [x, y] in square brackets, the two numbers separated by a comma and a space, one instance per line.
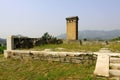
[71, 57]
[17, 42]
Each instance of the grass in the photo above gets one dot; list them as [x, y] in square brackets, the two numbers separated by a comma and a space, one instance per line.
[11, 69]
[70, 47]
[73, 47]
[114, 47]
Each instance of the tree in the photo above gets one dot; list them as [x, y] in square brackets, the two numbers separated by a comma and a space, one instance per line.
[116, 39]
[48, 39]
[45, 38]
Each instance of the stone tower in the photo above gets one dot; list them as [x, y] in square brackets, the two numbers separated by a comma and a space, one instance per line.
[72, 28]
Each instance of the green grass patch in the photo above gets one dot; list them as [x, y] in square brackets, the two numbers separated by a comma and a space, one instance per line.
[70, 47]
[1, 55]
[11, 69]
[114, 46]
[73, 47]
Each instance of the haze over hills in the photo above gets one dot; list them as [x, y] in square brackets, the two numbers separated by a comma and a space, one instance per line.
[95, 34]
[90, 35]
[2, 41]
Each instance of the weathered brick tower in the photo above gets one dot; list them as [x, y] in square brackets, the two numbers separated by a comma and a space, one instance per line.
[72, 28]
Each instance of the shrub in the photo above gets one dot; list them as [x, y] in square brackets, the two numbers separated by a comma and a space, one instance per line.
[116, 39]
[2, 48]
[48, 39]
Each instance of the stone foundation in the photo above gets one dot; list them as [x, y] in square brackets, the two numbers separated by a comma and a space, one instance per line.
[70, 57]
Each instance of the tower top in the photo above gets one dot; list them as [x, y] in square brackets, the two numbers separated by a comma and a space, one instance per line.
[72, 28]
[72, 17]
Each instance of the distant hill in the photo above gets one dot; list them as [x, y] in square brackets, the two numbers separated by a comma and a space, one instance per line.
[95, 34]
[2, 41]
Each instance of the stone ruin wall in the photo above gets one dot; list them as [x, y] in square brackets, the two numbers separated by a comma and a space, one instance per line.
[67, 57]
[16, 42]
[71, 57]
[26, 42]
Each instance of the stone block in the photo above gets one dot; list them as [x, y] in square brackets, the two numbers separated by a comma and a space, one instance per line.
[6, 54]
[102, 65]
[10, 43]
[56, 59]
[75, 61]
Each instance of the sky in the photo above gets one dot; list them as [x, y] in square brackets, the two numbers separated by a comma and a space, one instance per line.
[35, 17]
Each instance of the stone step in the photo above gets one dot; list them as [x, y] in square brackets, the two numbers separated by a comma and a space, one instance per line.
[114, 73]
[115, 55]
[114, 78]
[115, 66]
[114, 60]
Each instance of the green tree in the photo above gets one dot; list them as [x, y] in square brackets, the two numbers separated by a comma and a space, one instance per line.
[48, 39]
[116, 39]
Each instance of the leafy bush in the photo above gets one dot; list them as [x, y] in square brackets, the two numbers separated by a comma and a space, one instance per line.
[116, 39]
[48, 39]
[2, 48]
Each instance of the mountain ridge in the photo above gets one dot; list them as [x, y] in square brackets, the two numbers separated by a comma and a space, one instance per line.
[95, 34]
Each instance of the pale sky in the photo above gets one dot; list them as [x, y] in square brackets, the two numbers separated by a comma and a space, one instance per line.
[35, 17]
